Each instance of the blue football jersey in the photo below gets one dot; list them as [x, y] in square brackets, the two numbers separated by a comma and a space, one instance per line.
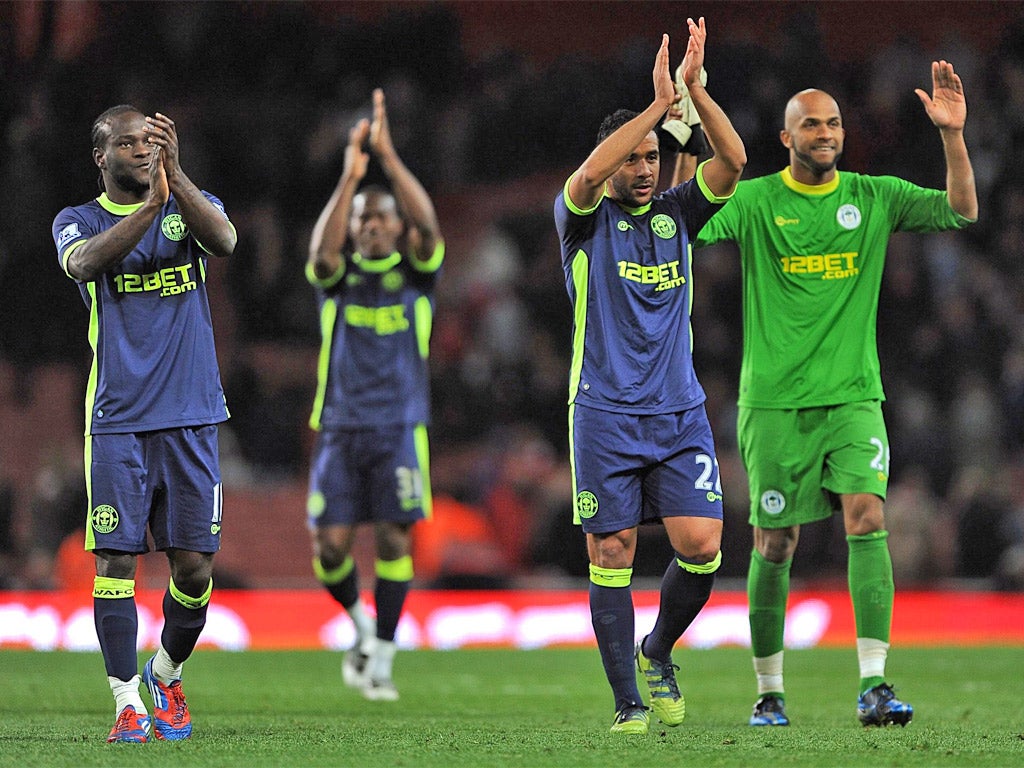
[629, 277]
[376, 317]
[154, 362]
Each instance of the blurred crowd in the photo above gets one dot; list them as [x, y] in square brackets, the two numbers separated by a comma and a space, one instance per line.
[263, 116]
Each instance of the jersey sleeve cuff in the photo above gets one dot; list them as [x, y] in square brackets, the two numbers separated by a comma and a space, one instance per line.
[711, 196]
[67, 255]
[327, 282]
[433, 263]
[572, 206]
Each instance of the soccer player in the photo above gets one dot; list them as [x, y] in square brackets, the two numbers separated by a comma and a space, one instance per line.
[641, 445]
[812, 244]
[138, 253]
[374, 259]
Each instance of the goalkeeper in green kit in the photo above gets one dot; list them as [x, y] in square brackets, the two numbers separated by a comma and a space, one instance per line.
[812, 242]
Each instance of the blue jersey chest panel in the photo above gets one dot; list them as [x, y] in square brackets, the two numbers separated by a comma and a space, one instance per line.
[628, 276]
[155, 363]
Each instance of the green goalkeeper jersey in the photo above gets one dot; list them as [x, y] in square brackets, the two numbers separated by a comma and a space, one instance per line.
[812, 260]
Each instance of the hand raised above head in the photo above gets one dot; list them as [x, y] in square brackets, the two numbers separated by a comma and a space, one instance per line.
[693, 60]
[946, 107]
[356, 158]
[380, 131]
[664, 88]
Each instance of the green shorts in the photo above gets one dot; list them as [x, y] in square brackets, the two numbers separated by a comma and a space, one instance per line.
[798, 460]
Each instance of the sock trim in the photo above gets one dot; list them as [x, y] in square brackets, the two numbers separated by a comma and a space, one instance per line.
[107, 588]
[765, 562]
[335, 575]
[610, 577]
[701, 567]
[187, 600]
[394, 570]
[873, 536]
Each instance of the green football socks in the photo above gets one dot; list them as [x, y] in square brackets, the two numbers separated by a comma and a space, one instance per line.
[767, 594]
[872, 592]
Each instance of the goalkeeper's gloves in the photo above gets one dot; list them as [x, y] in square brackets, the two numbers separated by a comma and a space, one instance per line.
[684, 134]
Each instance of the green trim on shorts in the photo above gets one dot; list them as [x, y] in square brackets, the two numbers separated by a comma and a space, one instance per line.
[572, 468]
[798, 460]
[422, 445]
[328, 317]
[90, 536]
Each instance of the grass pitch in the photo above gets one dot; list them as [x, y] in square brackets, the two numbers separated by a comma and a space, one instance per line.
[497, 708]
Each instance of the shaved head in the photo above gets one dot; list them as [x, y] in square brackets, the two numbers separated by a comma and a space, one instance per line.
[813, 134]
[809, 101]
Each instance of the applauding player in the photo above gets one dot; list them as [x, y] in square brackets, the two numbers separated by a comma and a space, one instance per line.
[374, 260]
[138, 253]
[641, 446]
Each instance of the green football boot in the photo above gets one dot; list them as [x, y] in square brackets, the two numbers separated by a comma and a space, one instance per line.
[666, 700]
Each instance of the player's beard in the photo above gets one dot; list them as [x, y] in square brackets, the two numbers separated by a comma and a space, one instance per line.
[128, 182]
[625, 193]
[816, 168]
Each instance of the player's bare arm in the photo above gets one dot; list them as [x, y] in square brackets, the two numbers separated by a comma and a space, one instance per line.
[413, 200]
[947, 109]
[104, 251]
[331, 229]
[587, 184]
[724, 168]
[206, 223]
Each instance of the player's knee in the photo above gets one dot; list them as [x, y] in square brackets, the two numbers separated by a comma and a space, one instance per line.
[862, 514]
[610, 551]
[191, 571]
[331, 555]
[192, 585]
[776, 545]
[777, 550]
[870, 520]
[697, 545]
[700, 553]
[115, 565]
[393, 541]
[331, 545]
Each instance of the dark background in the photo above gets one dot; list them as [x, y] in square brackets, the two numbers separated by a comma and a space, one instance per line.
[492, 105]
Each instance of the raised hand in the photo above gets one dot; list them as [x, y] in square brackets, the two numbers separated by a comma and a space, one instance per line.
[664, 88]
[357, 160]
[946, 107]
[380, 132]
[693, 60]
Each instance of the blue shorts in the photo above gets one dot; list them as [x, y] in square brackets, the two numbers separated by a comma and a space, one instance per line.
[167, 481]
[630, 469]
[380, 474]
